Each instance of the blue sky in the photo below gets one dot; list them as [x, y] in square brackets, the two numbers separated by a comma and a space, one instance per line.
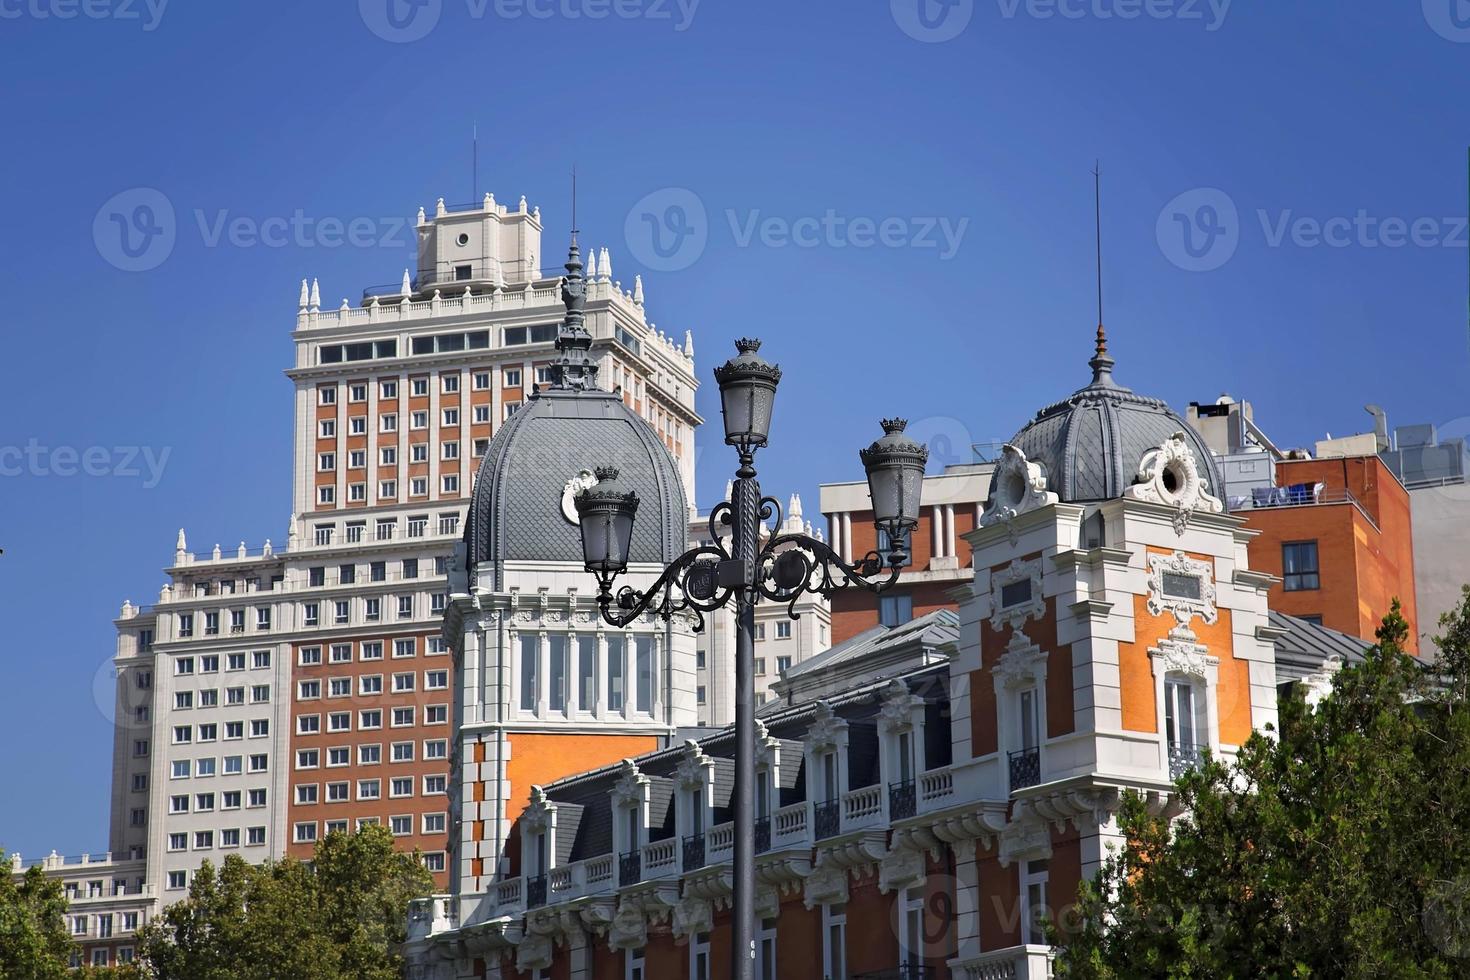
[1284, 192]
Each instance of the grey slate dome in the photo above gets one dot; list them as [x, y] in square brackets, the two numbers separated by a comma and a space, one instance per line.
[544, 453]
[1090, 444]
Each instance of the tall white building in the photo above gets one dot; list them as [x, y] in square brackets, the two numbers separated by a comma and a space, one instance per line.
[276, 693]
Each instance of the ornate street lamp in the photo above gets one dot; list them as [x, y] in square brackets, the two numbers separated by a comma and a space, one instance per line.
[787, 566]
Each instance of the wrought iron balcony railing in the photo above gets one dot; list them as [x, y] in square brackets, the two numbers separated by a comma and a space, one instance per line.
[1183, 758]
[535, 891]
[762, 834]
[827, 817]
[693, 852]
[903, 802]
[1025, 768]
[630, 868]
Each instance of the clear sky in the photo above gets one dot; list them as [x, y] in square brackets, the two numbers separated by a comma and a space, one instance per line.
[898, 200]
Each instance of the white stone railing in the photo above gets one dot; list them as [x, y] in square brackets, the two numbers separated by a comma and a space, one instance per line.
[599, 873]
[1015, 963]
[719, 843]
[862, 808]
[509, 896]
[563, 883]
[936, 789]
[789, 826]
[661, 858]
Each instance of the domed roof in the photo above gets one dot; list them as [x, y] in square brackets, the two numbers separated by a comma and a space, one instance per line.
[1090, 445]
[521, 509]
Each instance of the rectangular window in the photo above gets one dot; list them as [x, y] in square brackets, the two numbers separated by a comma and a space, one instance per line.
[370, 719]
[530, 668]
[436, 748]
[616, 650]
[402, 751]
[400, 826]
[1034, 909]
[310, 656]
[255, 836]
[643, 665]
[400, 787]
[895, 610]
[834, 940]
[783, 629]
[557, 673]
[369, 755]
[368, 789]
[433, 823]
[338, 792]
[1300, 572]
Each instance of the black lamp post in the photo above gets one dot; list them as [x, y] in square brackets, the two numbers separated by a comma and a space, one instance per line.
[706, 578]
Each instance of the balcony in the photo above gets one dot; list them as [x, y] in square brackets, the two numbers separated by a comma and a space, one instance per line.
[1183, 758]
[630, 868]
[903, 801]
[693, 852]
[1015, 963]
[762, 835]
[827, 818]
[1025, 768]
[535, 891]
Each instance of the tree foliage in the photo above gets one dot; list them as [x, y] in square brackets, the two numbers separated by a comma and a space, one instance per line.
[34, 944]
[341, 916]
[1337, 846]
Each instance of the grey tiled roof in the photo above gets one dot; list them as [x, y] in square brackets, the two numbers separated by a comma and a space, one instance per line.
[939, 626]
[516, 511]
[1090, 444]
[1304, 646]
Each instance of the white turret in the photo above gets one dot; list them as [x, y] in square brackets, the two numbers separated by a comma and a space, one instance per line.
[606, 263]
[592, 265]
[315, 302]
[181, 546]
[301, 304]
[638, 290]
[407, 287]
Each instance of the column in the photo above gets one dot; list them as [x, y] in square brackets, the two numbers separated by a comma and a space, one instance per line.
[966, 900]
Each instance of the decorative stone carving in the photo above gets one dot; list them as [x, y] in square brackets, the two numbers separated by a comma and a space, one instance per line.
[1170, 475]
[826, 885]
[1182, 586]
[534, 953]
[897, 711]
[1181, 653]
[536, 817]
[1023, 665]
[582, 481]
[767, 747]
[628, 929]
[1018, 486]
[694, 766]
[628, 790]
[827, 730]
[1028, 838]
[900, 868]
[693, 915]
[1015, 616]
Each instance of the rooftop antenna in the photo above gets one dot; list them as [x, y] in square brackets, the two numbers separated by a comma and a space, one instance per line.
[475, 163]
[574, 202]
[1101, 363]
[1097, 225]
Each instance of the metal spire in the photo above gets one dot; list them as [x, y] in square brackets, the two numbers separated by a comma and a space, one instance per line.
[574, 370]
[1101, 363]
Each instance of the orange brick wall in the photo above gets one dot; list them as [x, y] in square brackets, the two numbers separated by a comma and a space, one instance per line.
[536, 760]
[1363, 568]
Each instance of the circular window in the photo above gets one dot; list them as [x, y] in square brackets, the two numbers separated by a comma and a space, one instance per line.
[463, 239]
[1174, 479]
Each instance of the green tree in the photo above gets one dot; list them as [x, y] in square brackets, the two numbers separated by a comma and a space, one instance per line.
[341, 916]
[1338, 846]
[34, 944]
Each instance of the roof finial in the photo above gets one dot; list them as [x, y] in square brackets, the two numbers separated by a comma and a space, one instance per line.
[574, 370]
